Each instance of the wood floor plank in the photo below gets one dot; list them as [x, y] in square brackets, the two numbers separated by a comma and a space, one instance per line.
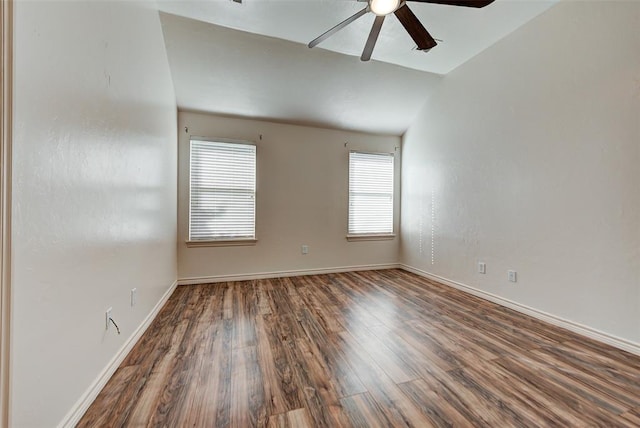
[613, 355]
[156, 340]
[375, 300]
[564, 392]
[437, 337]
[122, 379]
[416, 359]
[392, 364]
[298, 418]
[262, 286]
[284, 311]
[202, 402]
[278, 398]
[466, 348]
[567, 380]
[284, 392]
[474, 401]
[515, 406]
[205, 335]
[440, 411]
[490, 343]
[244, 311]
[395, 405]
[320, 397]
[435, 354]
[617, 386]
[516, 390]
[363, 412]
[377, 348]
[306, 383]
[324, 312]
[148, 400]
[351, 310]
[247, 395]
[632, 417]
[615, 364]
[117, 406]
[330, 358]
[228, 300]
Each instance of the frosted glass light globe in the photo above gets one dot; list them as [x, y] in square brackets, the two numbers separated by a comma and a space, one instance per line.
[383, 7]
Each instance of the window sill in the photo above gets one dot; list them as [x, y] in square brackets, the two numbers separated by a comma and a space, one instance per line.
[222, 243]
[372, 237]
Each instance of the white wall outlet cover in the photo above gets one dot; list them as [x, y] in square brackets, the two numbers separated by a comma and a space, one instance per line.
[107, 318]
[512, 275]
[134, 296]
[482, 267]
[305, 249]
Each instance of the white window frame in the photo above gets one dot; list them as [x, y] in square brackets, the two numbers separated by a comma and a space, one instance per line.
[371, 236]
[226, 240]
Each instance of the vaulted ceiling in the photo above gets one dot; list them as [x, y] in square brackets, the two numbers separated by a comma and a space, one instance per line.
[250, 59]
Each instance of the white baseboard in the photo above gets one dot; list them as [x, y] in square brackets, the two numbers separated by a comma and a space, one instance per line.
[284, 273]
[583, 330]
[81, 406]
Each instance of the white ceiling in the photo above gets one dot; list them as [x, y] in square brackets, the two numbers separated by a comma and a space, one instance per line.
[251, 59]
[219, 70]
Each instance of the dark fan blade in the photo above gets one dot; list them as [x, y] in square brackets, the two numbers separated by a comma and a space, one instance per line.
[467, 3]
[337, 28]
[416, 30]
[373, 37]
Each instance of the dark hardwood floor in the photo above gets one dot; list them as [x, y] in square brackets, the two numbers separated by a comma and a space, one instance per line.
[366, 349]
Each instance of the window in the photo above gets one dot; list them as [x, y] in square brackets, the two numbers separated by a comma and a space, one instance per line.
[222, 191]
[370, 193]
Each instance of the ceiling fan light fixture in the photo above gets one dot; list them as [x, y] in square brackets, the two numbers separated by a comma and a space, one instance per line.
[383, 7]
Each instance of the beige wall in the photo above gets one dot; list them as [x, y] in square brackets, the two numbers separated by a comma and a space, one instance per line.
[94, 193]
[302, 198]
[527, 158]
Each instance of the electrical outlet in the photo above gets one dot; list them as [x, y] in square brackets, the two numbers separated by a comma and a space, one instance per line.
[512, 275]
[107, 318]
[305, 249]
[482, 267]
[134, 296]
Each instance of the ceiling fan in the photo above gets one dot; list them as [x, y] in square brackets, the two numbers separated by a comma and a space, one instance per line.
[382, 8]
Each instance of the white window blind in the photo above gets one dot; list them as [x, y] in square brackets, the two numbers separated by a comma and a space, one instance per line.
[222, 191]
[370, 193]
